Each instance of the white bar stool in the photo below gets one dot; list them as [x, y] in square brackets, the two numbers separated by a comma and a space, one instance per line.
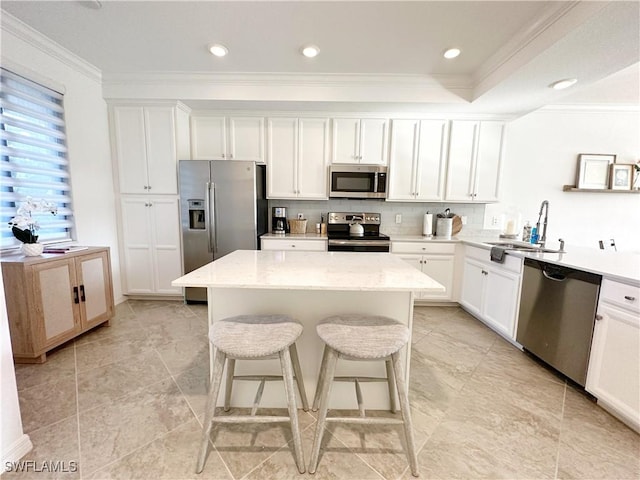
[253, 337]
[367, 338]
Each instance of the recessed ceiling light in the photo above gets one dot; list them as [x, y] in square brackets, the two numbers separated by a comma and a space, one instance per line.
[310, 51]
[451, 53]
[562, 84]
[218, 50]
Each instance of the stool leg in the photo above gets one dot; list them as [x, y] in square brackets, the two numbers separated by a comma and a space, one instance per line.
[212, 398]
[231, 367]
[299, 380]
[323, 369]
[325, 390]
[287, 373]
[391, 382]
[405, 408]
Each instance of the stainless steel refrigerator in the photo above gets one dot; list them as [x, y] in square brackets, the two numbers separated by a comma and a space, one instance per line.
[223, 208]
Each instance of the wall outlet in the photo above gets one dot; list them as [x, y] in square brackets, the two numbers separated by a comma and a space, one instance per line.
[398, 218]
[301, 216]
[463, 218]
[495, 221]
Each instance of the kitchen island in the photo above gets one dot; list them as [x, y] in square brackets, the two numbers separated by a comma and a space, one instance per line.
[310, 286]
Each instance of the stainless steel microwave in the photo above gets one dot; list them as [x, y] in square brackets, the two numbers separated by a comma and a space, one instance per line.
[358, 181]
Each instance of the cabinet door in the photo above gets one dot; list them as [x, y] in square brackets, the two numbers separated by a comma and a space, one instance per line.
[440, 268]
[416, 262]
[96, 292]
[165, 232]
[55, 286]
[462, 145]
[246, 138]
[614, 365]
[373, 141]
[282, 172]
[137, 243]
[402, 159]
[208, 138]
[346, 138]
[131, 150]
[162, 164]
[313, 158]
[488, 161]
[430, 161]
[473, 284]
[501, 300]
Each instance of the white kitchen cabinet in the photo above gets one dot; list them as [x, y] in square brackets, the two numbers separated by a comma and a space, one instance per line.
[474, 161]
[148, 140]
[491, 291]
[298, 158]
[436, 260]
[417, 159]
[613, 376]
[360, 140]
[151, 244]
[227, 138]
[292, 243]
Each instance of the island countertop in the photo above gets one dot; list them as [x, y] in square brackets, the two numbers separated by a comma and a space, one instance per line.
[266, 269]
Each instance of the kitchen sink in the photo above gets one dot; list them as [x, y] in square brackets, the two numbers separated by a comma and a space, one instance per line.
[523, 247]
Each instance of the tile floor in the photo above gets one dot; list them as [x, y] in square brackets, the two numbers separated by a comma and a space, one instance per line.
[126, 401]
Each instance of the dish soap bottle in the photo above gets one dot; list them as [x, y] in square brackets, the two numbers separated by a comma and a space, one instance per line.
[526, 232]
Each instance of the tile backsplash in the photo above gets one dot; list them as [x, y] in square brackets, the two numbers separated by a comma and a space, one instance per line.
[412, 213]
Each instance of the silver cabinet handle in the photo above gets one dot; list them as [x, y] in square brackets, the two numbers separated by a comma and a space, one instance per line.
[630, 298]
[599, 317]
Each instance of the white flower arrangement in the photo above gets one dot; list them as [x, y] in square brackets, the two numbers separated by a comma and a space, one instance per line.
[23, 225]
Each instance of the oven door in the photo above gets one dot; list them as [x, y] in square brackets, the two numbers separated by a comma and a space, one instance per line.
[357, 184]
[359, 246]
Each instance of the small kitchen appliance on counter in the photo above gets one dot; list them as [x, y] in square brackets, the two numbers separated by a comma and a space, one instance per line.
[356, 232]
[279, 223]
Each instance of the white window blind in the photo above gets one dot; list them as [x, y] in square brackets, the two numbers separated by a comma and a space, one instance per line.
[34, 157]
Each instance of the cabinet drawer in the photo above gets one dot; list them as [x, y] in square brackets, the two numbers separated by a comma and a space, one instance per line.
[620, 294]
[423, 248]
[294, 244]
[511, 262]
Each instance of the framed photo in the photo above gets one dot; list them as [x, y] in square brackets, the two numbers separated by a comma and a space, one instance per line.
[621, 176]
[593, 170]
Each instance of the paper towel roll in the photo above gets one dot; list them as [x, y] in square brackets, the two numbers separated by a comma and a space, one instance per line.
[427, 225]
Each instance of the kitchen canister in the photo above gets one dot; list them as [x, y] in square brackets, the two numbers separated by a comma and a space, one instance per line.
[444, 227]
[427, 225]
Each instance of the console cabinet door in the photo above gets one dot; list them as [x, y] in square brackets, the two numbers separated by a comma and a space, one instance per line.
[96, 291]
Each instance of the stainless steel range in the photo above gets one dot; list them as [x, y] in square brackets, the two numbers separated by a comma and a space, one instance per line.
[356, 232]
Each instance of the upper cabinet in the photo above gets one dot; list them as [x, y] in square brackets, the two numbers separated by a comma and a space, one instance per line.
[360, 140]
[227, 138]
[298, 158]
[147, 143]
[417, 160]
[475, 155]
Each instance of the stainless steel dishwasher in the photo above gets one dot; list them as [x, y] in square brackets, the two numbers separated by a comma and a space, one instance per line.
[557, 314]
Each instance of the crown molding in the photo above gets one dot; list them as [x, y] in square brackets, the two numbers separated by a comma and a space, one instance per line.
[589, 108]
[24, 32]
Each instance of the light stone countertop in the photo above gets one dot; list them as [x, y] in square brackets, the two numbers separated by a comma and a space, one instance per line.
[271, 269]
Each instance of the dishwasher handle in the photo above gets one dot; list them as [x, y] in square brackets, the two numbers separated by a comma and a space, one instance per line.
[555, 276]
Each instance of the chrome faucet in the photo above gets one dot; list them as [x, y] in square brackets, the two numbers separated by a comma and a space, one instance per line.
[544, 206]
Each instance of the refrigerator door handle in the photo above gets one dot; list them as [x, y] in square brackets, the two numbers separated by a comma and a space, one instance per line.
[210, 221]
[213, 231]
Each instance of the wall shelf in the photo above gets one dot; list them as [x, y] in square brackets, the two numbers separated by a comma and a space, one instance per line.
[572, 188]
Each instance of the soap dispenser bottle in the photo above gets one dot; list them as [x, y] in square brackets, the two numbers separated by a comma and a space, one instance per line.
[526, 232]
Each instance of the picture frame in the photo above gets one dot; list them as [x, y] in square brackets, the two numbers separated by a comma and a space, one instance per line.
[621, 176]
[594, 170]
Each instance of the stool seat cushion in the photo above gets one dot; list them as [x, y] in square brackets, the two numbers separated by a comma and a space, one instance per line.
[254, 336]
[363, 336]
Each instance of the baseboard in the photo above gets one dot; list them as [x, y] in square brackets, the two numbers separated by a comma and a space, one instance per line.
[16, 451]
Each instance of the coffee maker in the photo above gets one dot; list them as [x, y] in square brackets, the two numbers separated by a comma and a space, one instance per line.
[279, 222]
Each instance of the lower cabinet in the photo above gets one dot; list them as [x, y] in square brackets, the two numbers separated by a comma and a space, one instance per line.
[292, 243]
[490, 290]
[613, 376]
[55, 297]
[436, 260]
[151, 244]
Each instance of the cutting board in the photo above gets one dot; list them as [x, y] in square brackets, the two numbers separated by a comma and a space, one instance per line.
[457, 225]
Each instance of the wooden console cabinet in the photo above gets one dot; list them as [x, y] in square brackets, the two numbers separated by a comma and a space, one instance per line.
[53, 298]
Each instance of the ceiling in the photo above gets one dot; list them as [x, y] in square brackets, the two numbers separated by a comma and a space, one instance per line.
[511, 50]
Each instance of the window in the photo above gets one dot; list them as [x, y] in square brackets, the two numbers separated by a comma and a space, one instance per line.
[34, 157]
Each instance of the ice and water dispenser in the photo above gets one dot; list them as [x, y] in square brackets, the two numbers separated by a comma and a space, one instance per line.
[196, 214]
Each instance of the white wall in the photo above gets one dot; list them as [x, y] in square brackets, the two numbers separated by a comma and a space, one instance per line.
[541, 156]
[87, 131]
